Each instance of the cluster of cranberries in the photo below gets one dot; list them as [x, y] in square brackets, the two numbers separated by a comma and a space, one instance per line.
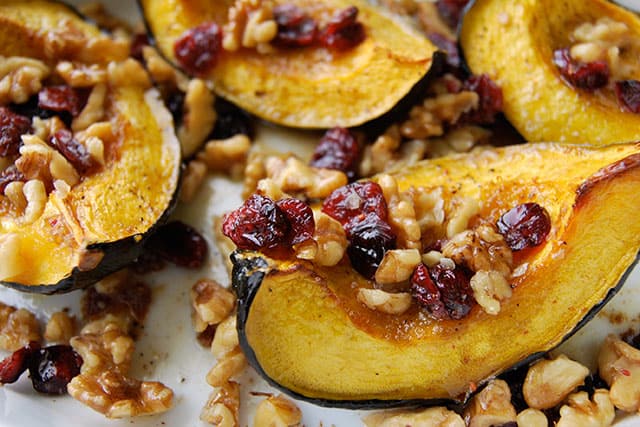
[50, 368]
[198, 49]
[595, 75]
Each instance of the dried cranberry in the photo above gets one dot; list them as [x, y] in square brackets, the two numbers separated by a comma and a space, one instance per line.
[451, 10]
[128, 297]
[343, 31]
[589, 76]
[62, 98]
[12, 366]
[449, 46]
[369, 239]
[295, 28]
[300, 217]
[259, 224]
[72, 150]
[338, 149]
[198, 48]
[10, 175]
[525, 226]
[426, 292]
[138, 42]
[231, 121]
[490, 100]
[455, 289]
[179, 244]
[12, 127]
[147, 262]
[628, 93]
[52, 368]
[351, 203]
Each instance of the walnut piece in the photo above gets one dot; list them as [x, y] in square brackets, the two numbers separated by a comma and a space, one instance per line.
[294, 176]
[251, 25]
[194, 176]
[225, 339]
[226, 155]
[199, 117]
[212, 303]
[222, 408]
[60, 328]
[397, 265]
[20, 78]
[385, 302]
[532, 418]
[489, 289]
[330, 238]
[227, 366]
[619, 366]
[18, 327]
[432, 417]
[580, 411]
[277, 411]
[549, 382]
[401, 214]
[492, 406]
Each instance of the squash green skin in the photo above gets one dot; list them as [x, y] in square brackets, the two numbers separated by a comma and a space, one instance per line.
[103, 221]
[307, 87]
[300, 327]
[513, 42]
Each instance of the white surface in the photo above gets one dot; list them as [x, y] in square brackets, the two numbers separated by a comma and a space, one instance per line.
[168, 351]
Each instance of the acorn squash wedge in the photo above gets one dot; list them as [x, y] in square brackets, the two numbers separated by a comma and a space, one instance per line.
[303, 328]
[514, 43]
[307, 87]
[95, 226]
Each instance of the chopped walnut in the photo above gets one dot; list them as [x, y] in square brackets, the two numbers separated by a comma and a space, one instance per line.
[229, 365]
[226, 155]
[60, 328]
[480, 249]
[432, 417]
[275, 411]
[489, 289]
[211, 302]
[580, 411]
[163, 72]
[292, 175]
[128, 73]
[251, 25]
[93, 110]
[532, 418]
[18, 327]
[549, 382]
[225, 339]
[432, 258]
[492, 406]
[20, 78]
[430, 210]
[36, 197]
[194, 176]
[385, 302]
[45, 128]
[458, 140]
[330, 238]
[254, 171]
[268, 188]
[15, 193]
[401, 214]
[381, 155]
[619, 366]
[39, 161]
[199, 117]
[222, 408]
[104, 384]
[67, 41]
[81, 75]
[462, 210]
[397, 265]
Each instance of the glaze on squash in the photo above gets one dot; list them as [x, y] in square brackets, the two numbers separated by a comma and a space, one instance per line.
[302, 327]
[307, 87]
[513, 42]
[99, 226]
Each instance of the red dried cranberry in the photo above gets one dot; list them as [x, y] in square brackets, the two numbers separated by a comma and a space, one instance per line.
[369, 239]
[179, 244]
[147, 262]
[231, 121]
[628, 93]
[589, 76]
[451, 10]
[12, 366]
[198, 48]
[295, 28]
[338, 149]
[300, 217]
[426, 292]
[343, 32]
[455, 289]
[525, 226]
[352, 202]
[62, 98]
[259, 224]
[490, 100]
[139, 41]
[72, 150]
[130, 298]
[52, 368]
[10, 175]
[12, 127]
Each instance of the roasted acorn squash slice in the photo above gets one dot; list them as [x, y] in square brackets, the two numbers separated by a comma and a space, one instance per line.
[305, 87]
[302, 327]
[97, 225]
[514, 43]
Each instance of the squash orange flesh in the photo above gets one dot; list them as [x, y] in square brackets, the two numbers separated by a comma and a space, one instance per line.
[305, 329]
[308, 87]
